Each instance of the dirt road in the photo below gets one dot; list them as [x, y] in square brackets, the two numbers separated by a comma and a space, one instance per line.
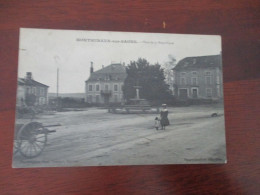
[95, 137]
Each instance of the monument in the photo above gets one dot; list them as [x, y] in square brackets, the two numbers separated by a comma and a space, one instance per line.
[136, 105]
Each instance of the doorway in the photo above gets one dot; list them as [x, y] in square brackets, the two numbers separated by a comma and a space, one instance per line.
[194, 92]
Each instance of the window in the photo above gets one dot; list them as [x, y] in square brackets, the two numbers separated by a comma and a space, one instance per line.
[90, 87]
[194, 73]
[183, 74]
[208, 73]
[194, 80]
[209, 92]
[28, 90]
[42, 91]
[34, 90]
[208, 80]
[115, 87]
[183, 81]
[97, 87]
[183, 78]
[106, 87]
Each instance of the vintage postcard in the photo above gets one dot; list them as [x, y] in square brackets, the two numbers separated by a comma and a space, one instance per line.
[93, 98]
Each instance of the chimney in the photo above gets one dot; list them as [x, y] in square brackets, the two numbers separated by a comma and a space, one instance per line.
[91, 68]
[103, 66]
[28, 75]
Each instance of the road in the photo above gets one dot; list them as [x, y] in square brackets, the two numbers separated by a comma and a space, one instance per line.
[95, 137]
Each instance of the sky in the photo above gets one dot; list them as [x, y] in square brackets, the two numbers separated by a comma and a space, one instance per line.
[43, 51]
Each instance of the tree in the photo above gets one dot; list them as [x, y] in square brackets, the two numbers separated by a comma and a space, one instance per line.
[168, 73]
[150, 78]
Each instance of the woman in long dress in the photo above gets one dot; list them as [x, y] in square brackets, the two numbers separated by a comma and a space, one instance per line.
[164, 117]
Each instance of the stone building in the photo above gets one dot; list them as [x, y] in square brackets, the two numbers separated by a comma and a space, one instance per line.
[104, 86]
[199, 78]
[28, 87]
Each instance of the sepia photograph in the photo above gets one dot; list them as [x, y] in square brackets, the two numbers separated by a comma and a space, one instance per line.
[100, 98]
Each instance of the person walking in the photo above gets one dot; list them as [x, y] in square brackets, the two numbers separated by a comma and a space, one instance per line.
[164, 117]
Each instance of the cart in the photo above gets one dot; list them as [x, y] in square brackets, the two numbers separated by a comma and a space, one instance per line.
[31, 138]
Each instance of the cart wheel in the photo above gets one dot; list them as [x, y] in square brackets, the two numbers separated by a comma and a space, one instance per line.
[31, 139]
[15, 147]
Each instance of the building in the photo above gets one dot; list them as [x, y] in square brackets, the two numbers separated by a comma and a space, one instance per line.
[199, 78]
[28, 87]
[104, 86]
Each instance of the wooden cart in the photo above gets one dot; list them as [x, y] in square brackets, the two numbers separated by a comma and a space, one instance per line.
[31, 138]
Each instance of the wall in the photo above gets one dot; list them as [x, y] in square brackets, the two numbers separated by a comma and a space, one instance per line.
[201, 82]
[110, 84]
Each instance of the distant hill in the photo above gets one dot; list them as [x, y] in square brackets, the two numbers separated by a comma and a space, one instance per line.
[71, 95]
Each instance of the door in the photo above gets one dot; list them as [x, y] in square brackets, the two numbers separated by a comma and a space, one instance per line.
[106, 99]
[194, 93]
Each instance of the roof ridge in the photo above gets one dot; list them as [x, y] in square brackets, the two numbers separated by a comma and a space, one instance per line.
[199, 62]
[116, 71]
[107, 67]
[201, 56]
[32, 80]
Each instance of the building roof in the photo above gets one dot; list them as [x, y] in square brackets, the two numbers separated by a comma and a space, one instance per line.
[113, 72]
[199, 62]
[30, 82]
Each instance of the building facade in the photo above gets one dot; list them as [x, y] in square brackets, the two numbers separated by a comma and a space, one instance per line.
[27, 88]
[199, 78]
[104, 86]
